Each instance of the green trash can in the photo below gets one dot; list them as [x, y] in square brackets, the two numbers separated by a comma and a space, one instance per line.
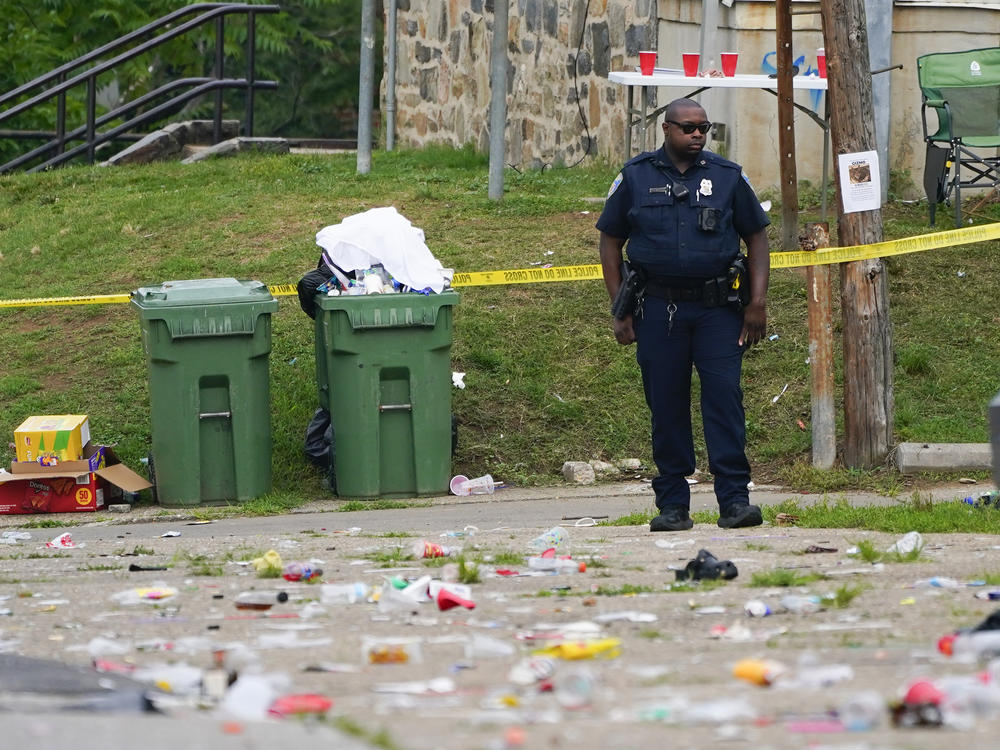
[383, 368]
[207, 343]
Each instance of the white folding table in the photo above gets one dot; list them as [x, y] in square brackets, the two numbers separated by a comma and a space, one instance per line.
[697, 84]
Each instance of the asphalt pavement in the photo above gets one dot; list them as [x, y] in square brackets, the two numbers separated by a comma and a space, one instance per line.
[514, 507]
[61, 608]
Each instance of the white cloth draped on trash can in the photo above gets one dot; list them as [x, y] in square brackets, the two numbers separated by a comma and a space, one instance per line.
[383, 235]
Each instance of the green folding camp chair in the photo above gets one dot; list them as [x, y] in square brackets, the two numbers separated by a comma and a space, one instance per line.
[963, 89]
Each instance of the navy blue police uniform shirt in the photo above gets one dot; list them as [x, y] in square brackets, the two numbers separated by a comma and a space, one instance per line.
[663, 231]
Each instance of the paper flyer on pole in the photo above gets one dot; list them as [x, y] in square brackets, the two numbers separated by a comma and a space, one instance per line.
[860, 182]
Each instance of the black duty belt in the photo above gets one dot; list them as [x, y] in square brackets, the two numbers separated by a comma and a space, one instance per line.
[656, 288]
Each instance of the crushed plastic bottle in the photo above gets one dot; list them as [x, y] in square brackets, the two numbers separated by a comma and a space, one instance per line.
[423, 549]
[259, 600]
[862, 711]
[344, 593]
[575, 688]
[301, 571]
[756, 608]
[563, 564]
[528, 671]
[800, 605]
[910, 543]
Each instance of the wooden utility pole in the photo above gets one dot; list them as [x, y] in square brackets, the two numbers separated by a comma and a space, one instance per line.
[786, 126]
[868, 376]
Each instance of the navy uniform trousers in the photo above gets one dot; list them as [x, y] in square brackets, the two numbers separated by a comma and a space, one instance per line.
[708, 338]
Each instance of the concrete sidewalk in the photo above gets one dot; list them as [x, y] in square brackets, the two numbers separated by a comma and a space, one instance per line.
[515, 507]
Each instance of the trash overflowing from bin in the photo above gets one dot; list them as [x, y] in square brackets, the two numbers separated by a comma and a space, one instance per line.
[495, 634]
[379, 252]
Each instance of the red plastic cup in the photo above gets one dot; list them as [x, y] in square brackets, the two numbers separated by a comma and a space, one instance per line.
[690, 64]
[647, 62]
[729, 63]
[821, 62]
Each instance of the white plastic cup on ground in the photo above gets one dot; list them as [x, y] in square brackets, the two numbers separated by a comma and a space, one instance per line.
[456, 484]
[483, 485]
[555, 538]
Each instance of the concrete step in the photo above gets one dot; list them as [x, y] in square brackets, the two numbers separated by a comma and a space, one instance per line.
[912, 458]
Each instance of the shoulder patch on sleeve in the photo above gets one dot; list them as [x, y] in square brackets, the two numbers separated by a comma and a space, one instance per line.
[747, 180]
[614, 185]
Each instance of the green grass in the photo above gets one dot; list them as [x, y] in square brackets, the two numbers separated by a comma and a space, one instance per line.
[45, 523]
[506, 558]
[561, 388]
[352, 506]
[867, 551]
[846, 594]
[394, 556]
[468, 571]
[705, 584]
[914, 514]
[782, 577]
[199, 565]
[899, 518]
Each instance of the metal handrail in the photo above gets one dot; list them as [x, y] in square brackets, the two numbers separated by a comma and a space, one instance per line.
[101, 51]
[209, 12]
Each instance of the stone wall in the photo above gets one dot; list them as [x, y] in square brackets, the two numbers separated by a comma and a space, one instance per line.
[559, 102]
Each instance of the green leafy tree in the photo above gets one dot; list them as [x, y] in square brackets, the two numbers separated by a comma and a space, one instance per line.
[311, 49]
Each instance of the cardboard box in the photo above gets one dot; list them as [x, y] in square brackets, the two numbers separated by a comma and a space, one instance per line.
[31, 488]
[94, 458]
[52, 438]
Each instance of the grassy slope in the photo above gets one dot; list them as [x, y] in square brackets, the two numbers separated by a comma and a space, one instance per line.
[546, 381]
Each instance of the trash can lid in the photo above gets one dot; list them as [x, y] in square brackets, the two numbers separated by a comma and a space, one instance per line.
[201, 292]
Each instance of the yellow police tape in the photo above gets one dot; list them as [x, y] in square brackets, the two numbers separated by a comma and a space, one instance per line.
[794, 259]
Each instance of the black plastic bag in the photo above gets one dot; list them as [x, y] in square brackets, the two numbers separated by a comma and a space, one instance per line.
[307, 287]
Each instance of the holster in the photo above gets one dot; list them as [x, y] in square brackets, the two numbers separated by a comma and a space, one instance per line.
[738, 292]
[627, 299]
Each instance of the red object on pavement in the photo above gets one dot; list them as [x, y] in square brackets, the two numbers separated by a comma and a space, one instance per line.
[300, 703]
[923, 691]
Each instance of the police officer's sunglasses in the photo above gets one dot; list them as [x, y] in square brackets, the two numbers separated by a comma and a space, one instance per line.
[689, 127]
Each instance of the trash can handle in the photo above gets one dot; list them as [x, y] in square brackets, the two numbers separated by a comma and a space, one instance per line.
[395, 407]
[215, 414]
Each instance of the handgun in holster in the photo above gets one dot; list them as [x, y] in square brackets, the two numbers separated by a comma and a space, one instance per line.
[627, 298]
[738, 293]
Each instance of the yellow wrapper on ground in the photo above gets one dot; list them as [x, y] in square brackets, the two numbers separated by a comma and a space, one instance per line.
[269, 565]
[601, 648]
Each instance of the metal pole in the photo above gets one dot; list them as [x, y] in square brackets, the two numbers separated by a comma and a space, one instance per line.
[786, 127]
[498, 98]
[390, 78]
[217, 73]
[91, 117]
[366, 86]
[824, 418]
[251, 44]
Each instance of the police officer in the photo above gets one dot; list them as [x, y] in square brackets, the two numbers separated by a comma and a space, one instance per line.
[683, 211]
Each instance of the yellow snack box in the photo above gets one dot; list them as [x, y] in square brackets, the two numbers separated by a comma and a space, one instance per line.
[49, 440]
